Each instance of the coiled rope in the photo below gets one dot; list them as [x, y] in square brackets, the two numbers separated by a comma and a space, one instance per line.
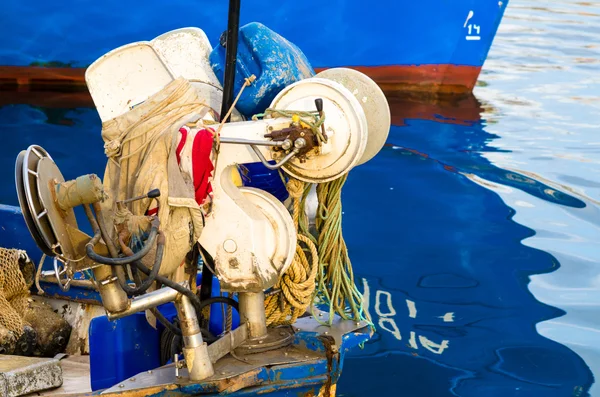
[295, 290]
[327, 279]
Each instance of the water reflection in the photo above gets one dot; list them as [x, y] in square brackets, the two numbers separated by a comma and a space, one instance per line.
[444, 267]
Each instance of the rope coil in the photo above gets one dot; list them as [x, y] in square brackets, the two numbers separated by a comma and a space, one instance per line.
[327, 278]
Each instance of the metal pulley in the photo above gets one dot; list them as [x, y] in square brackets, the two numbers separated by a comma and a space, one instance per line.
[47, 202]
[357, 121]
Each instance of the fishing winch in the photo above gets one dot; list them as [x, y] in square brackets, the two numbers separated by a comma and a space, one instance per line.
[315, 130]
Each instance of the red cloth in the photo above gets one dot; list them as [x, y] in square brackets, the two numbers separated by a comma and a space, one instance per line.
[201, 164]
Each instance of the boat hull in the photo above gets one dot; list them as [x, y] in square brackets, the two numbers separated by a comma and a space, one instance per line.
[431, 45]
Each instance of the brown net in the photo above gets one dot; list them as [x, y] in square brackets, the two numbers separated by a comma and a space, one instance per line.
[14, 293]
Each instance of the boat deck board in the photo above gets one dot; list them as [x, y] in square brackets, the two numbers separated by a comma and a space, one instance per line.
[76, 378]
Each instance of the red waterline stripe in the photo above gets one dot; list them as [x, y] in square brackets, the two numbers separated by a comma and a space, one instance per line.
[442, 78]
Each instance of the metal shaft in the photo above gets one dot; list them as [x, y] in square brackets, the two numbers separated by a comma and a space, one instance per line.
[195, 350]
[252, 313]
[146, 301]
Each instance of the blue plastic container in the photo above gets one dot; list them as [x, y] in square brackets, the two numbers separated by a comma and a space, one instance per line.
[274, 61]
[258, 176]
[120, 349]
[125, 347]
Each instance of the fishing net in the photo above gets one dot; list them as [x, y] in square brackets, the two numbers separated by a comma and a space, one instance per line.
[14, 292]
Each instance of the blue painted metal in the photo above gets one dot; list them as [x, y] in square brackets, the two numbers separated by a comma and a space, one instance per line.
[121, 349]
[331, 33]
[296, 379]
[274, 61]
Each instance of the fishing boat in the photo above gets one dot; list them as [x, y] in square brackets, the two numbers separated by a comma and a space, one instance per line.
[183, 271]
[429, 46]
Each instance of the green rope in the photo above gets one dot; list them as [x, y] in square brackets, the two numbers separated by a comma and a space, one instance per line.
[335, 281]
[335, 286]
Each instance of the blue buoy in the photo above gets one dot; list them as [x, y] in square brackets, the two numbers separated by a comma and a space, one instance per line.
[274, 61]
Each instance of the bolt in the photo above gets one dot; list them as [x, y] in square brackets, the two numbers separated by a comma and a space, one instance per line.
[282, 333]
[286, 145]
[285, 354]
[326, 333]
[500, 4]
[300, 143]
[223, 372]
[230, 246]
[150, 371]
[121, 386]
[305, 356]
[320, 314]
[132, 379]
[260, 342]
[60, 340]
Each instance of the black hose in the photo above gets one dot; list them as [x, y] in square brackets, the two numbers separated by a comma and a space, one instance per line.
[160, 247]
[231, 46]
[127, 259]
[207, 280]
[163, 320]
[220, 299]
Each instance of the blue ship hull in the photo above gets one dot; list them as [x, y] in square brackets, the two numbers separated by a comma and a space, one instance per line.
[428, 45]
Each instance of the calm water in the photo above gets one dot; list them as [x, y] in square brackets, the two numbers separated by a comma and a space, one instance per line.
[475, 233]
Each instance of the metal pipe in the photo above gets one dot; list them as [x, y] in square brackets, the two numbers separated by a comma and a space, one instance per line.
[147, 301]
[114, 299]
[279, 164]
[252, 313]
[49, 277]
[240, 141]
[119, 272]
[195, 350]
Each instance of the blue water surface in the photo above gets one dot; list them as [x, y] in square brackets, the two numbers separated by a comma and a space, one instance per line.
[474, 233]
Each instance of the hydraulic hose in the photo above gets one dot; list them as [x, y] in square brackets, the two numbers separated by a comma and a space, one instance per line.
[143, 287]
[128, 259]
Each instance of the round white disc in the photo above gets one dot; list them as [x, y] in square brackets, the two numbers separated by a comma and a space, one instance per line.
[373, 102]
[283, 231]
[345, 126]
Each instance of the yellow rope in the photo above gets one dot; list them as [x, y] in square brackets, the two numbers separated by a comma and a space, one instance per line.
[297, 286]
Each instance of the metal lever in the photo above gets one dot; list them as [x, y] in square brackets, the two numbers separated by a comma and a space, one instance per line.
[319, 106]
[154, 193]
